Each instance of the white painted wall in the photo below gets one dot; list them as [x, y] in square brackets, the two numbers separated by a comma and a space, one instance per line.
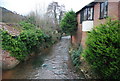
[87, 25]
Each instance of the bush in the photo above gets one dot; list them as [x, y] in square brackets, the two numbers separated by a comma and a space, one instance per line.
[35, 39]
[75, 55]
[103, 49]
[69, 22]
[27, 26]
[13, 44]
[26, 43]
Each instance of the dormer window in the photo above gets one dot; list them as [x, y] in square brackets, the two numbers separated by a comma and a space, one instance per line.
[103, 9]
[90, 13]
[87, 14]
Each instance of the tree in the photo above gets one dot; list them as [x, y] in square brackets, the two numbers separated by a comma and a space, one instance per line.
[69, 22]
[55, 12]
[61, 12]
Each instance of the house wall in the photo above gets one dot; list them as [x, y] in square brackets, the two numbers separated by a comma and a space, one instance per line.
[76, 39]
[83, 39]
[97, 21]
[80, 36]
[113, 12]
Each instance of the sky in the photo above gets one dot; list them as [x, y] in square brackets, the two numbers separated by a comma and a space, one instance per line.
[23, 7]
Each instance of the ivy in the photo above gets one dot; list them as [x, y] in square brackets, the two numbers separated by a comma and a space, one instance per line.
[27, 42]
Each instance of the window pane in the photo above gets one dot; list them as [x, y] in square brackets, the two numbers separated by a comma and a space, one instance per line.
[105, 9]
[85, 14]
[102, 10]
[90, 13]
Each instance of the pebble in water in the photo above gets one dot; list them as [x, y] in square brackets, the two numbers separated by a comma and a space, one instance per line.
[44, 65]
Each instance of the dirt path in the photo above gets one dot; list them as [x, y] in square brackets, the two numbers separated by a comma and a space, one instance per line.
[53, 64]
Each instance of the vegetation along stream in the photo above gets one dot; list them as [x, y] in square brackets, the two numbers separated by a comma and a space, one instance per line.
[53, 63]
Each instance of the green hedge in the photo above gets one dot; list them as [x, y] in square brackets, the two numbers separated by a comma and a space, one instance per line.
[103, 49]
[26, 43]
[26, 25]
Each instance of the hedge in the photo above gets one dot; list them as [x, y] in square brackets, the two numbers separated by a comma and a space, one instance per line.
[103, 49]
[27, 42]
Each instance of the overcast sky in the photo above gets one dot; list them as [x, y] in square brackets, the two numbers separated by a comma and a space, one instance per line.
[25, 6]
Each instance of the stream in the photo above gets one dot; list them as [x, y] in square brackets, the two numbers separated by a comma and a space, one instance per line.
[52, 63]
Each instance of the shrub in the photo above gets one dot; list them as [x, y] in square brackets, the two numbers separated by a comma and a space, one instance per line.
[27, 26]
[75, 55]
[103, 49]
[35, 39]
[13, 44]
[27, 42]
[69, 22]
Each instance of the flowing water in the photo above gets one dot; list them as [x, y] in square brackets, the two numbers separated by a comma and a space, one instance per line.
[53, 63]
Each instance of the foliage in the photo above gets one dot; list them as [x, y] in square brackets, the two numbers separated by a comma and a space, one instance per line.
[31, 19]
[103, 49]
[24, 44]
[27, 26]
[14, 45]
[75, 55]
[69, 22]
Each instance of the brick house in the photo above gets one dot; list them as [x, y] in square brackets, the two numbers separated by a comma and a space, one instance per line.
[93, 14]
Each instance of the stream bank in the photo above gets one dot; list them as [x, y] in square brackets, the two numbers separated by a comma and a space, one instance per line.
[54, 63]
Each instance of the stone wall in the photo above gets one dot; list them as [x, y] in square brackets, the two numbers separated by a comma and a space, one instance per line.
[7, 61]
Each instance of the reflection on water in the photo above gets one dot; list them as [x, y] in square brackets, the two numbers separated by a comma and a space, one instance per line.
[38, 61]
[53, 63]
[24, 70]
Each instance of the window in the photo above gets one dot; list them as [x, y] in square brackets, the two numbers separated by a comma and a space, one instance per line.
[103, 9]
[90, 13]
[86, 14]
